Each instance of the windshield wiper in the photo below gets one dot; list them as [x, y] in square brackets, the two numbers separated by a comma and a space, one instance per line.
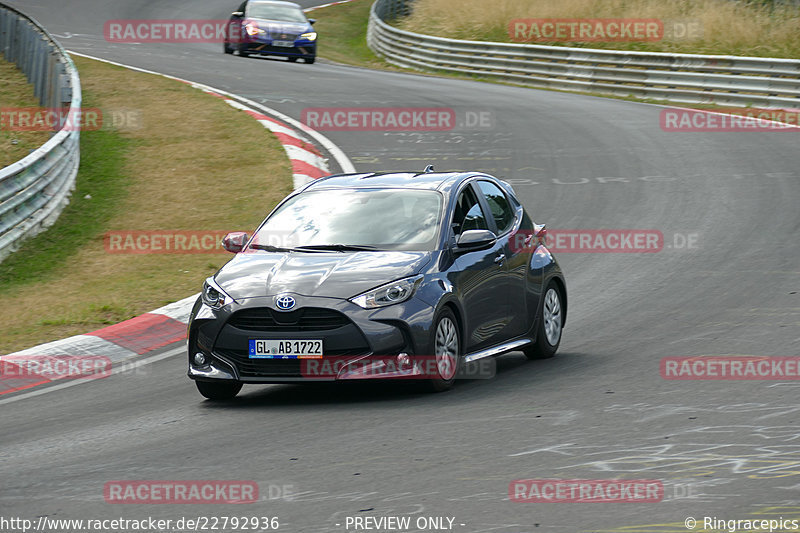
[339, 247]
[270, 248]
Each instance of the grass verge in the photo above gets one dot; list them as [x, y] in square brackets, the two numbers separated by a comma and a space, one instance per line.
[16, 92]
[345, 30]
[767, 28]
[180, 165]
[343, 34]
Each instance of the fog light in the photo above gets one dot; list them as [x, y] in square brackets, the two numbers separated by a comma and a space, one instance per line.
[199, 359]
[403, 359]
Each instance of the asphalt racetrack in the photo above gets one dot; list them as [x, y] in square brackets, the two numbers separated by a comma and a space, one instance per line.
[727, 282]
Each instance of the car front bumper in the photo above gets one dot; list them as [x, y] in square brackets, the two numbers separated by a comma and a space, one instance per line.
[300, 49]
[362, 344]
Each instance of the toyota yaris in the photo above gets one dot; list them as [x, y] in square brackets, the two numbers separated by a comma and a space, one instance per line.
[378, 276]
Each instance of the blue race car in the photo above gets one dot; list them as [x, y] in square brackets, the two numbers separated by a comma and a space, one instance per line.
[271, 28]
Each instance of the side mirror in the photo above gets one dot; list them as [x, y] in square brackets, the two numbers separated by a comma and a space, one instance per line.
[312, 21]
[475, 239]
[237, 14]
[234, 242]
[540, 231]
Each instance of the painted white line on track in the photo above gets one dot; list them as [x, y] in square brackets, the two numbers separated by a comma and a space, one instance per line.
[309, 9]
[124, 366]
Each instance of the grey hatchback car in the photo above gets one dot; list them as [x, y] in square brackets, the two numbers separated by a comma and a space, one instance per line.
[405, 275]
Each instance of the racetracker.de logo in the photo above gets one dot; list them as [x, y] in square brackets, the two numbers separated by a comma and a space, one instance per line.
[602, 241]
[585, 490]
[379, 118]
[167, 31]
[585, 30]
[729, 119]
[50, 119]
[54, 367]
[164, 242]
[180, 492]
[414, 367]
[734, 368]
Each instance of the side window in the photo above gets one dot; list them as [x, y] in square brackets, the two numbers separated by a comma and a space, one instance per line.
[502, 211]
[468, 214]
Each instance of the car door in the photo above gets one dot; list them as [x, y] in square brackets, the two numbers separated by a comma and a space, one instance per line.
[506, 219]
[479, 276]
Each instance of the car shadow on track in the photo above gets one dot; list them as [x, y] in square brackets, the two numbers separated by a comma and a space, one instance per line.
[511, 371]
[278, 59]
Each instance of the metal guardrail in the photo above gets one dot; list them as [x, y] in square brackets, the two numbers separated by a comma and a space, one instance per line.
[34, 190]
[689, 78]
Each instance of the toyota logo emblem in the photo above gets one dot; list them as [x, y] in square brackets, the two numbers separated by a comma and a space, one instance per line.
[285, 302]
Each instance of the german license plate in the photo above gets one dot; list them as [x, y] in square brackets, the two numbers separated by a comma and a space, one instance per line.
[285, 349]
[285, 44]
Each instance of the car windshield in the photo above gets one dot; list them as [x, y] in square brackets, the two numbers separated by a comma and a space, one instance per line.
[342, 219]
[275, 12]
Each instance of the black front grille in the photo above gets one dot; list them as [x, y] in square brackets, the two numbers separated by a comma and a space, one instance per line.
[276, 36]
[262, 367]
[305, 319]
[339, 335]
[266, 368]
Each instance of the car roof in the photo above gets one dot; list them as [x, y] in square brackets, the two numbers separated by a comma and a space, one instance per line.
[405, 180]
[279, 2]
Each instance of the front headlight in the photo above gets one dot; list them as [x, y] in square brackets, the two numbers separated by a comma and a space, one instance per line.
[253, 29]
[310, 36]
[213, 295]
[389, 294]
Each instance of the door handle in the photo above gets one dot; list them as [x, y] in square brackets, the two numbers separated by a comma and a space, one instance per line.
[500, 259]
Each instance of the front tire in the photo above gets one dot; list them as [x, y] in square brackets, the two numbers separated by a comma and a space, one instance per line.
[310, 59]
[548, 331]
[218, 390]
[227, 48]
[445, 346]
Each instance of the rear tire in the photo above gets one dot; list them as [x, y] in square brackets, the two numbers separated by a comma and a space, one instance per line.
[548, 331]
[445, 346]
[218, 390]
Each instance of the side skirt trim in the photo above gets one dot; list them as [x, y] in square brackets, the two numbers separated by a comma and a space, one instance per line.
[497, 350]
